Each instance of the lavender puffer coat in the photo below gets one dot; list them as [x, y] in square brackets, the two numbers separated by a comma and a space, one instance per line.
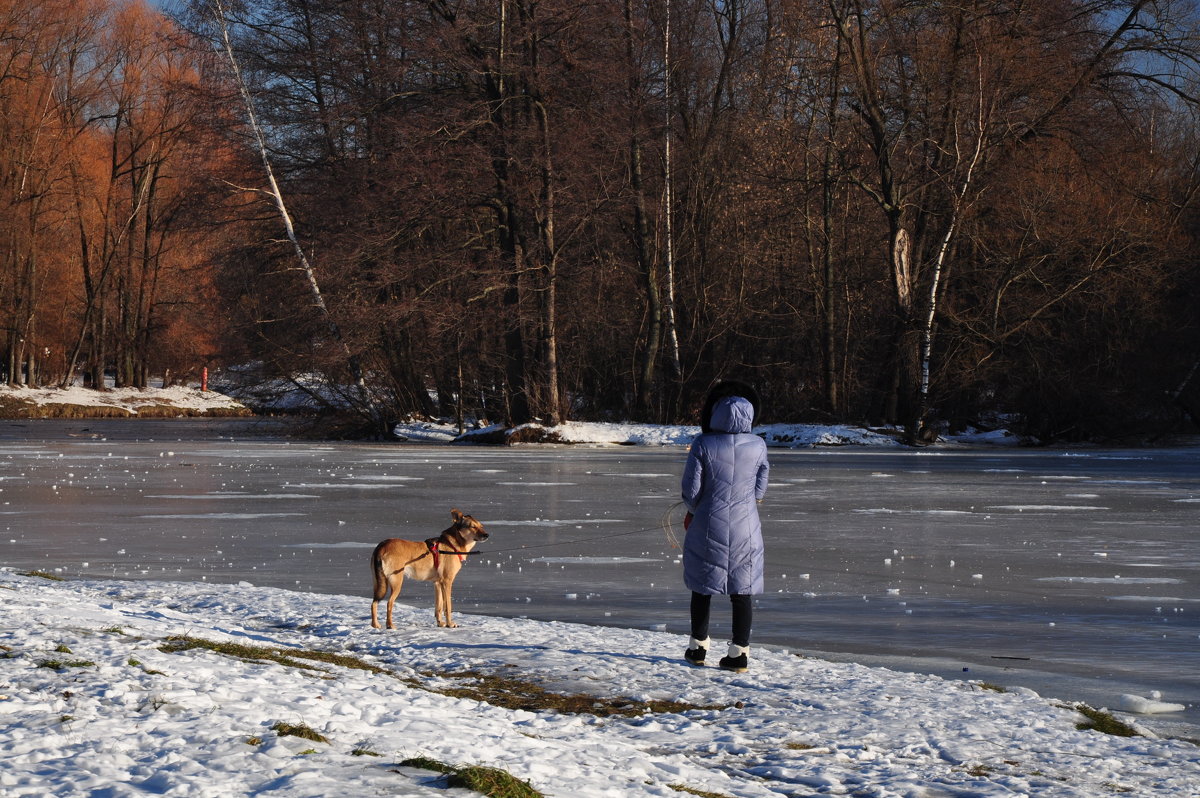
[725, 476]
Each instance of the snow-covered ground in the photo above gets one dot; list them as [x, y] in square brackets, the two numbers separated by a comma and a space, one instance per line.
[91, 705]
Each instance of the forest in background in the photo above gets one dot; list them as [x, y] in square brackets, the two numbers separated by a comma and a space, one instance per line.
[903, 212]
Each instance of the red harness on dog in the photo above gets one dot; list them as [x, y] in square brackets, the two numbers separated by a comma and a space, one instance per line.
[433, 543]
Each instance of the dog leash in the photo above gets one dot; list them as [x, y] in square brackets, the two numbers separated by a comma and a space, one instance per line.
[664, 525]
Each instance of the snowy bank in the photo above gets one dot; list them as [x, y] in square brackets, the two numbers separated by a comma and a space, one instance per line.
[790, 436]
[78, 402]
[99, 696]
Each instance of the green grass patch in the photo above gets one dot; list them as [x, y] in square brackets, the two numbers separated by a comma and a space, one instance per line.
[995, 688]
[510, 693]
[291, 657]
[492, 782]
[43, 575]
[364, 752]
[1104, 722]
[693, 791]
[137, 663]
[425, 763]
[299, 730]
[61, 664]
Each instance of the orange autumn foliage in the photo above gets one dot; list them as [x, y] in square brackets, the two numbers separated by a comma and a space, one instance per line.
[104, 171]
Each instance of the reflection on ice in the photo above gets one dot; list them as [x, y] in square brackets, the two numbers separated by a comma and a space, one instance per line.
[592, 560]
[230, 495]
[343, 485]
[387, 478]
[553, 522]
[1131, 482]
[224, 516]
[1053, 508]
[886, 511]
[1111, 580]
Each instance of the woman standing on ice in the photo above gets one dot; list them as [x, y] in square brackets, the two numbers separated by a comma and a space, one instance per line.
[724, 479]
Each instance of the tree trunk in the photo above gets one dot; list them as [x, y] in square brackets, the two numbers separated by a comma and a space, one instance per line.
[674, 361]
[553, 410]
[646, 264]
[828, 294]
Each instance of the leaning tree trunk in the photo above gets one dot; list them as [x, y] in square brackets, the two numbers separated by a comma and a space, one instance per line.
[367, 407]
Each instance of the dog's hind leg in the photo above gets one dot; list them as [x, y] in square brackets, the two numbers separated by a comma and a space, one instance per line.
[380, 587]
[394, 582]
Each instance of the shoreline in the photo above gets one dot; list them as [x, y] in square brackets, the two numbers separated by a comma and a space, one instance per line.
[76, 404]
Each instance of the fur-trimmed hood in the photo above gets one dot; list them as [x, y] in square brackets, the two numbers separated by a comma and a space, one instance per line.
[724, 389]
[732, 414]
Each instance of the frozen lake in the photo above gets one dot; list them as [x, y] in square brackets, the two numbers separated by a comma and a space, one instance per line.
[1070, 571]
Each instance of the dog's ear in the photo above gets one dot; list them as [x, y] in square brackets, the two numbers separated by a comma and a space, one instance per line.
[457, 516]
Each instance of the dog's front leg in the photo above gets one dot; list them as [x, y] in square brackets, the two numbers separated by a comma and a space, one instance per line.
[442, 604]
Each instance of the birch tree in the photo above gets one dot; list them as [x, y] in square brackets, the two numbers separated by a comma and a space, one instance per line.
[361, 394]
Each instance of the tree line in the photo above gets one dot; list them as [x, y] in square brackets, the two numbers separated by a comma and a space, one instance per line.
[900, 212]
[107, 154]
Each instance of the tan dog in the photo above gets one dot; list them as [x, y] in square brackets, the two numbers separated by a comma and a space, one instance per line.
[436, 560]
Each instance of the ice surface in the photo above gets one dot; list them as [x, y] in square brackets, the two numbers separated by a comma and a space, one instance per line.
[970, 557]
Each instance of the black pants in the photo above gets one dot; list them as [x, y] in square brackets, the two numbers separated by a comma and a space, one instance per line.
[743, 610]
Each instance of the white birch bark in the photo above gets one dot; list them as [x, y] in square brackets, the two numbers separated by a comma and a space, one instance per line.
[276, 194]
[672, 331]
[958, 205]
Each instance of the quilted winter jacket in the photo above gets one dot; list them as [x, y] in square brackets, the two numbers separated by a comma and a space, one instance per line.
[725, 476]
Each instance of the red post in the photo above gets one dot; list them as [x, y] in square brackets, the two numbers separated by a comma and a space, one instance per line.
[204, 378]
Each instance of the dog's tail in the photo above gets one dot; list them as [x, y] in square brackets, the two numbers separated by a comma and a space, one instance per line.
[381, 586]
